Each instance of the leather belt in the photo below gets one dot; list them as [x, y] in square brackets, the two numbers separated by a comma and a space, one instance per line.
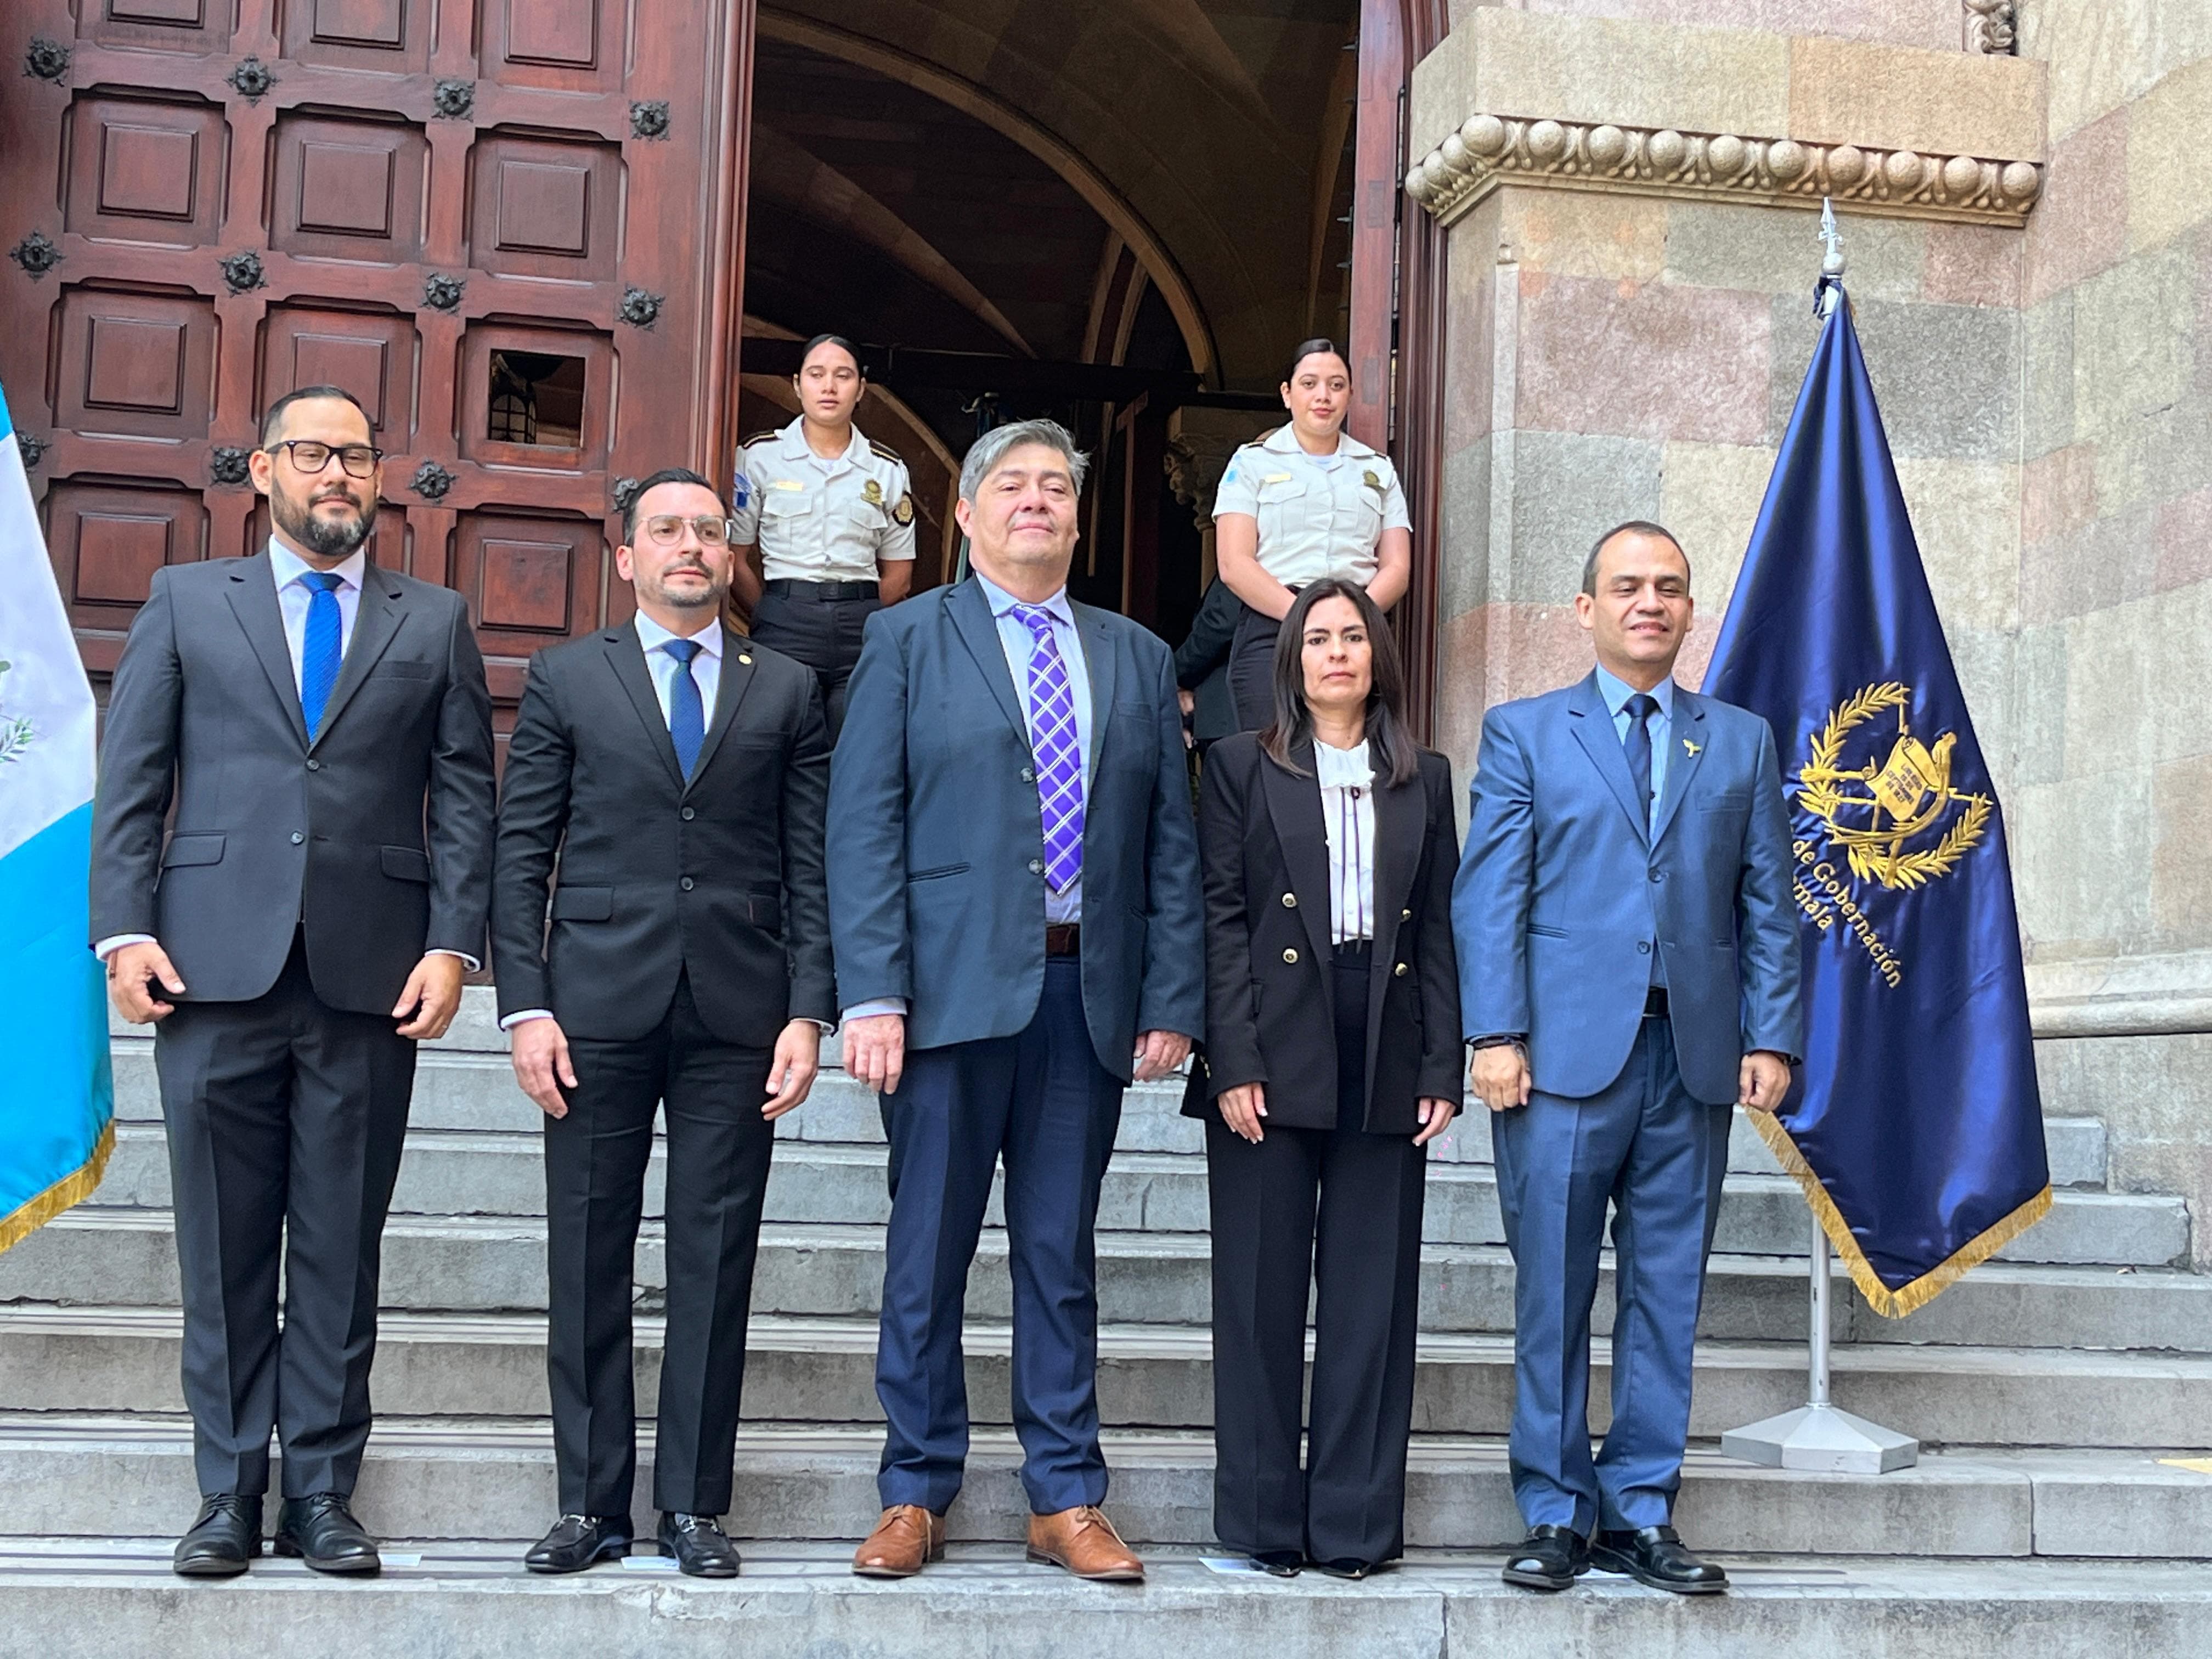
[790, 587]
[1063, 939]
[1654, 1003]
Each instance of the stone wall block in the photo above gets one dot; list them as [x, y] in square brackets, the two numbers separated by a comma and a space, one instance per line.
[1776, 250]
[2059, 494]
[2169, 187]
[1654, 362]
[2181, 858]
[2134, 352]
[1947, 377]
[1841, 92]
[1621, 238]
[2047, 376]
[1965, 516]
[1463, 568]
[1971, 265]
[2184, 542]
[2039, 734]
[2154, 1095]
[2079, 225]
[2131, 657]
[1567, 488]
[2082, 861]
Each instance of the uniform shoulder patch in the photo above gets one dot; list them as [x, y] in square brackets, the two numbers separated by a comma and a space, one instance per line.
[758, 437]
[887, 454]
[903, 512]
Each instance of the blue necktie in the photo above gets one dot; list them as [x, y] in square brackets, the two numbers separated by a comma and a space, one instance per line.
[1641, 708]
[687, 712]
[324, 649]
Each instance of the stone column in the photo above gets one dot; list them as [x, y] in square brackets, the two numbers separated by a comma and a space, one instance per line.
[1200, 443]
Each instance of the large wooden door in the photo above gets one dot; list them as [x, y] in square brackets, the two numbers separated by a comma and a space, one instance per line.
[512, 228]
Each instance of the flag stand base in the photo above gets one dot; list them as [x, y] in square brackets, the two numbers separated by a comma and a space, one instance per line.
[1818, 1437]
[1824, 1439]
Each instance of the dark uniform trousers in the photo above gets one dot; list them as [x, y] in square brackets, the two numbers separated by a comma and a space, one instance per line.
[286, 1118]
[823, 633]
[1252, 674]
[1336, 1211]
[719, 1146]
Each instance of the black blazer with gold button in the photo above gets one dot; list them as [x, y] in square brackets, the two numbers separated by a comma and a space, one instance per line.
[1270, 1015]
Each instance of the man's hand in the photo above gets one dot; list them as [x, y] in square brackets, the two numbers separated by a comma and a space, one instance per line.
[432, 994]
[131, 971]
[1159, 1053]
[1499, 1075]
[791, 1073]
[1763, 1080]
[1436, 1118]
[875, 1050]
[541, 1063]
[1242, 1108]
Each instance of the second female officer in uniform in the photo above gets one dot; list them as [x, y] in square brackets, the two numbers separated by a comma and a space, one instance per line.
[1331, 1056]
[1306, 502]
[833, 516]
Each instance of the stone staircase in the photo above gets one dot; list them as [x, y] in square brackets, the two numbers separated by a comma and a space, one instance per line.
[2048, 1387]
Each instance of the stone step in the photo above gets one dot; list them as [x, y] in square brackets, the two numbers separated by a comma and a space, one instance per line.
[126, 1258]
[88, 1475]
[460, 1173]
[800, 1369]
[475, 1093]
[94, 1598]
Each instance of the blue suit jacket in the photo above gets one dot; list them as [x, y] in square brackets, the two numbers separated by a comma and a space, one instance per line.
[1561, 893]
[936, 892]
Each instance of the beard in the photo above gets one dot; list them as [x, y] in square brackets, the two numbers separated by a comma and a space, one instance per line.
[656, 589]
[327, 538]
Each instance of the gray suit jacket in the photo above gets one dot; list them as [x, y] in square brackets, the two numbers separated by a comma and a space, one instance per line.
[1562, 893]
[377, 837]
[936, 890]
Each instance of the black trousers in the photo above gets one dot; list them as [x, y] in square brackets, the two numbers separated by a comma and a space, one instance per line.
[824, 634]
[1252, 669]
[595, 1162]
[1337, 1211]
[286, 1120]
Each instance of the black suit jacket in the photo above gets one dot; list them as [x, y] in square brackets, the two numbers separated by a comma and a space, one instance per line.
[722, 876]
[1202, 663]
[377, 836]
[1270, 1019]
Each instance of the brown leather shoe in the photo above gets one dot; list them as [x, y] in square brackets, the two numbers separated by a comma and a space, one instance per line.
[1083, 1541]
[907, 1537]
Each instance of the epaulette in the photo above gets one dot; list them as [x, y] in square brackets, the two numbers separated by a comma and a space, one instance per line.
[887, 454]
[747, 443]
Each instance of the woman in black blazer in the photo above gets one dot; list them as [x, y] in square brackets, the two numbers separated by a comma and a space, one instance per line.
[1332, 1058]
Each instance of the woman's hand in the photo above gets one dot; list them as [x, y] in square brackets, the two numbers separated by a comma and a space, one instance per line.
[1436, 1117]
[1242, 1108]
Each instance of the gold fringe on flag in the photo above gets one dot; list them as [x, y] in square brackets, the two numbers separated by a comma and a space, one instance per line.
[1908, 1298]
[70, 1190]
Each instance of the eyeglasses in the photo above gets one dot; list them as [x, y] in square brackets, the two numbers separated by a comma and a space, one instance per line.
[666, 529]
[309, 457]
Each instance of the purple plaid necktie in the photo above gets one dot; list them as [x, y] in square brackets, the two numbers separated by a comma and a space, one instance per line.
[1058, 758]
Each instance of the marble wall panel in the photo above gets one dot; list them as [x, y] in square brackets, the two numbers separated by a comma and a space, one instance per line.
[1776, 250]
[1567, 488]
[2079, 225]
[1656, 361]
[1947, 377]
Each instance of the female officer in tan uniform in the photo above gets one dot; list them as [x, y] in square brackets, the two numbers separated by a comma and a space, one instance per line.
[1306, 502]
[833, 517]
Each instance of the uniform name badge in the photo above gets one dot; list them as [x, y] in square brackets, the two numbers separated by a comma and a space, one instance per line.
[873, 493]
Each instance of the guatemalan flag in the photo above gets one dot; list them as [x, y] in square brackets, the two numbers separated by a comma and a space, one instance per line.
[57, 1095]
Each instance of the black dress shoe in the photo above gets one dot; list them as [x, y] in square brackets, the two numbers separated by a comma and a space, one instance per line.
[321, 1531]
[698, 1544]
[1654, 1556]
[1280, 1564]
[1548, 1559]
[578, 1541]
[1348, 1566]
[223, 1539]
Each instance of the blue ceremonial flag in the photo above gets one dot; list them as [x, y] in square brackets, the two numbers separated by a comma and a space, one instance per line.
[57, 1097]
[1915, 1128]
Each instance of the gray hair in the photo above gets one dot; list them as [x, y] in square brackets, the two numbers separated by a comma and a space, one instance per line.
[1640, 527]
[988, 451]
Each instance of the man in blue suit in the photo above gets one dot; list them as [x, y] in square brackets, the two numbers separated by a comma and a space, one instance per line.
[1015, 912]
[1628, 971]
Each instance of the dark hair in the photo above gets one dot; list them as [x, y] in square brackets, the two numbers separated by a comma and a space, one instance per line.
[1313, 348]
[1396, 756]
[841, 342]
[272, 418]
[1642, 527]
[683, 475]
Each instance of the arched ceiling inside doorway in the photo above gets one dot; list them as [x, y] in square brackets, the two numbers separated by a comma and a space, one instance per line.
[971, 174]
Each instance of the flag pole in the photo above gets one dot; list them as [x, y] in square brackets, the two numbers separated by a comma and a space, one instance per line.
[1818, 1435]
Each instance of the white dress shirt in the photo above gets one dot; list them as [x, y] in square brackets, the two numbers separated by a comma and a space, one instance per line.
[1318, 515]
[1018, 643]
[1348, 815]
[1616, 693]
[823, 518]
[292, 597]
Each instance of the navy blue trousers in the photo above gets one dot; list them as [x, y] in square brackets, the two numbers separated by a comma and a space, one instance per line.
[1042, 1102]
[1658, 1156]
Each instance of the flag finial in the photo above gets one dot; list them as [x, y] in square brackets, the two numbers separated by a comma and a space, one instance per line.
[1829, 287]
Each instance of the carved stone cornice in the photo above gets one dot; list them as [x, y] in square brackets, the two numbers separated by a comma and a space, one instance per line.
[1490, 150]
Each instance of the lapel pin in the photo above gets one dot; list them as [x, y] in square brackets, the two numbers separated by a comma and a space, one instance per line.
[1688, 747]
[747, 657]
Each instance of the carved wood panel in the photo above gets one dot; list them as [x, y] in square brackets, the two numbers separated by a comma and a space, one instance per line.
[440, 205]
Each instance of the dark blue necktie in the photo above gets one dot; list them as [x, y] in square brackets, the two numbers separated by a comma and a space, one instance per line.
[1641, 708]
[323, 649]
[687, 712]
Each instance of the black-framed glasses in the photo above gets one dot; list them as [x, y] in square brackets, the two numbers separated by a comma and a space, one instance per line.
[310, 458]
[666, 529]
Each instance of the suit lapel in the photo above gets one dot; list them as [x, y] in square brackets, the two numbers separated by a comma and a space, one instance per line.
[626, 656]
[1401, 819]
[737, 679]
[376, 620]
[1593, 725]
[1099, 662]
[254, 599]
[1294, 807]
[979, 630]
[1688, 735]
